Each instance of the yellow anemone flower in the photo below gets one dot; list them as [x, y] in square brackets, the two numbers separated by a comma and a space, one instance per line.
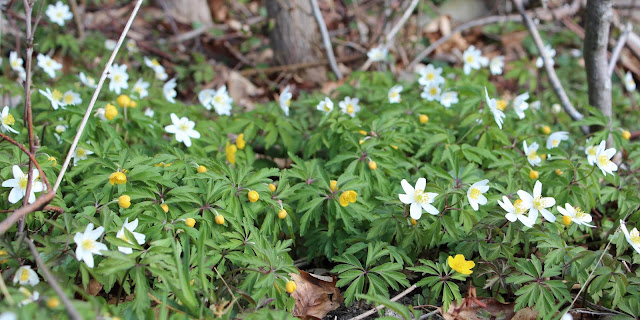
[459, 264]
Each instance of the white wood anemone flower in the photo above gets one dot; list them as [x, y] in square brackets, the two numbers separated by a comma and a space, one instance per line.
[430, 75]
[532, 153]
[19, 185]
[349, 106]
[7, 121]
[139, 237]
[81, 153]
[71, 98]
[520, 104]
[431, 92]
[473, 59]
[169, 90]
[118, 78]
[517, 211]
[633, 236]
[87, 244]
[325, 105]
[549, 52]
[25, 275]
[183, 129]
[378, 53]
[87, 80]
[591, 152]
[538, 203]
[48, 65]
[55, 97]
[496, 64]
[629, 84]
[576, 215]
[555, 138]
[475, 194]
[29, 296]
[603, 159]
[448, 98]
[140, 88]
[394, 94]
[285, 100]
[418, 199]
[59, 13]
[15, 62]
[498, 115]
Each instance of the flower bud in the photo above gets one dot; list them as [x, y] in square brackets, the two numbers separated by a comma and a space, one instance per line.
[533, 174]
[202, 169]
[291, 286]
[253, 196]
[190, 222]
[220, 219]
[282, 214]
[424, 118]
[124, 201]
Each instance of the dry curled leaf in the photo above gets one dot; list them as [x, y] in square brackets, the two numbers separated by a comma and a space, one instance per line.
[315, 295]
[475, 310]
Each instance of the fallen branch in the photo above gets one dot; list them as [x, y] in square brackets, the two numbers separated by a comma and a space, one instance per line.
[325, 38]
[380, 307]
[553, 77]
[394, 31]
[615, 54]
[51, 280]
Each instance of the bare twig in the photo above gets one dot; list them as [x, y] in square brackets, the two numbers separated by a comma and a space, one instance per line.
[95, 96]
[325, 38]
[615, 54]
[394, 30]
[77, 18]
[378, 308]
[553, 78]
[51, 280]
[31, 157]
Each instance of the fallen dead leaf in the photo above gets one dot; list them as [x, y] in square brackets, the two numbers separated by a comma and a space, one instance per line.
[526, 314]
[474, 310]
[94, 287]
[241, 90]
[315, 295]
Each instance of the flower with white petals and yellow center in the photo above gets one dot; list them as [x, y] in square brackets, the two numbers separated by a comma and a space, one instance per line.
[430, 75]
[538, 203]
[603, 159]
[475, 194]
[183, 129]
[16, 63]
[29, 296]
[349, 106]
[448, 98]
[498, 115]
[325, 105]
[119, 78]
[7, 121]
[169, 90]
[496, 64]
[26, 275]
[71, 98]
[431, 92]
[418, 199]
[591, 152]
[517, 211]
[629, 84]
[81, 153]
[394, 94]
[473, 59]
[549, 53]
[58, 13]
[633, 236]
[88, 245]
[140, 88]
[532, 153]
[87, 80]
[139, 237]
[55, 97]
[520, 104]
[555, 138]
[575, 215]
[285, 100]
[48, 65]
[378, 53]
[219, 99]
[19, 185]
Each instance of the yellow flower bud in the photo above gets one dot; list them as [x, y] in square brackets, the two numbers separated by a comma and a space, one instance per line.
[202, 169]
[240, 141]
[190, 222]
[626, 135]
[231, 150]
[133, 104]
[2, 253]
[394, 147]
[566, 220]
[424, 118]
[414, 222]
[373, 165]
[123, 100]
[110, 111]
[192, 281]
[253, 196]
[333, 185]
[52, 159]
[53, 303]
[282, 214]
[546, 130]
[291, 286]
[361, 141]
[543, 156]
[272, 187]
[220, 219]
[124, 201]
[533, 174]
[164, 207]
[558, 172]
[117, 178]
[362, 132]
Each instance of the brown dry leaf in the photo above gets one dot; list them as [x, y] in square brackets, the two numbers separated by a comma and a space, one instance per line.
[94, 287]
[315, 295]
[219, 10]
[526, 314]
[241, 89]
[473, 312]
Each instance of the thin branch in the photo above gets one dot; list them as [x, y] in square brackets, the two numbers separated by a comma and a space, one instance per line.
[95, 96]
[78, 19]
[380, 307]
[325, 38]
[51, 280]
[553, 78]
[615, 54]
[394, 30]
[31, 157]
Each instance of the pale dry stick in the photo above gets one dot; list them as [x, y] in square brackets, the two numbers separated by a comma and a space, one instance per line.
[95, 96]
[43, 200]
[78, 19]
[394, 30]
[551, 73]
[615, 54]
[325, 38]
[51, 280]
[380, 307]
[5, 292]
